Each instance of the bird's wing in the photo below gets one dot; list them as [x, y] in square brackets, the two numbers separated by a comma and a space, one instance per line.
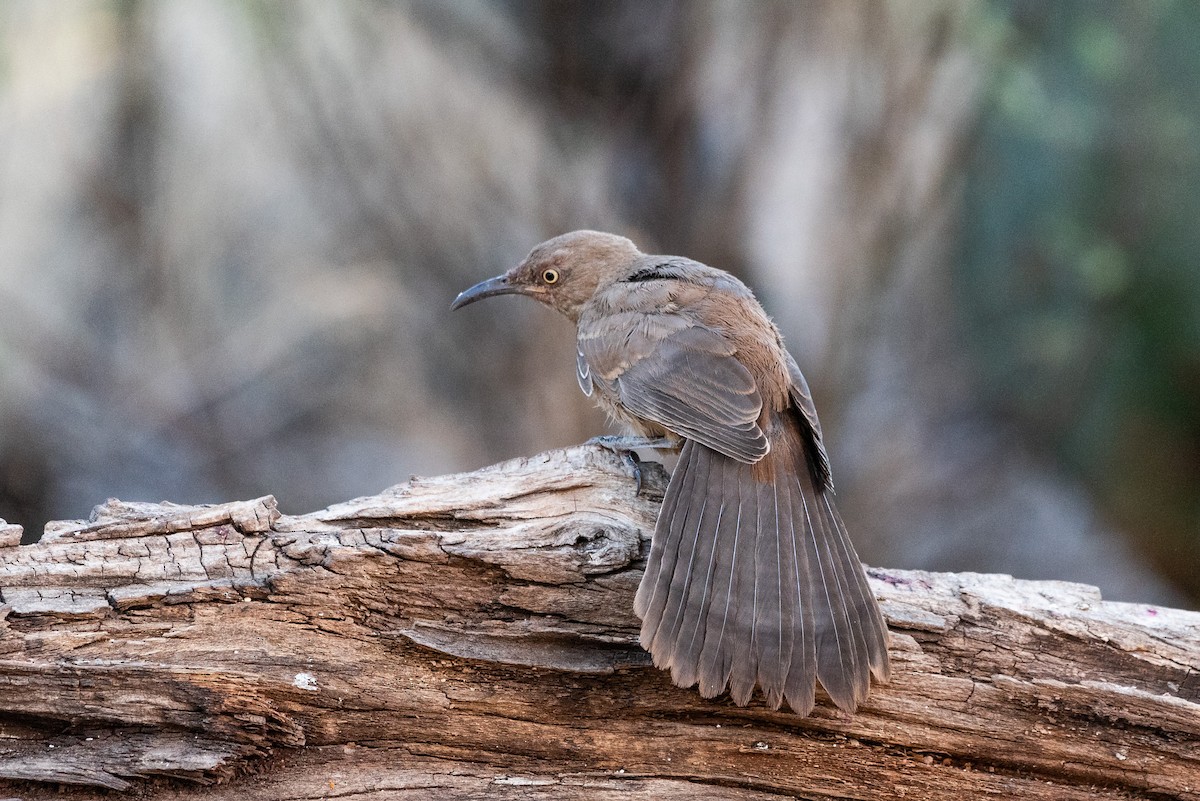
[801, 396]
[583, 372]
[666, 367]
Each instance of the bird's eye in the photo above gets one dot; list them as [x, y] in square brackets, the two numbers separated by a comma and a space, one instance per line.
[550, 276]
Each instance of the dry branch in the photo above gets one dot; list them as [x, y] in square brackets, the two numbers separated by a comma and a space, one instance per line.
[473, 635]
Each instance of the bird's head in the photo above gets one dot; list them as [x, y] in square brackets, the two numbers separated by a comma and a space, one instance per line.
[563, 273]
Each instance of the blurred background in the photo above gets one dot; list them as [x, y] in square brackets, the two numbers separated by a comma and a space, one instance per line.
[230, 231]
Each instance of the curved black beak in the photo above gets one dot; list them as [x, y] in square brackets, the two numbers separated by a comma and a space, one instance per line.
[485, 289]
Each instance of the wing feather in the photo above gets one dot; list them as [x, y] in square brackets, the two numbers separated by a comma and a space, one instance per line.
[689, 382]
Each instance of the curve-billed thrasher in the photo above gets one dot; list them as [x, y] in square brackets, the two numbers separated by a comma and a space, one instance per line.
[751, 576]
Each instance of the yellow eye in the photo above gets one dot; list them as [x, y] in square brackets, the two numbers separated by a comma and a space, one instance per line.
[550, 276]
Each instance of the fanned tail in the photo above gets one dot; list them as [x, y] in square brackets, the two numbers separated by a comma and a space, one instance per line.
[752, 580]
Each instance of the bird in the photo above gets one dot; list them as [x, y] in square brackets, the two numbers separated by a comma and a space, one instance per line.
[751, 580]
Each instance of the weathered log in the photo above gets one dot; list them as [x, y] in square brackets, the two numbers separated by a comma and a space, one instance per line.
[473, 635]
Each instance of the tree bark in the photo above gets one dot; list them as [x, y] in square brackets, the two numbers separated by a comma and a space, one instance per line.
[473, 635]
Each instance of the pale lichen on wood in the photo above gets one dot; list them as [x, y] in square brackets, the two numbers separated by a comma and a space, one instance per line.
[474, 634]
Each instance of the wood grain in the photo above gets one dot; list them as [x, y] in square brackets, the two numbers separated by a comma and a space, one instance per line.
[473, 635]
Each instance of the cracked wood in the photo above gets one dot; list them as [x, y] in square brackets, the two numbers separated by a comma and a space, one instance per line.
[474, 634]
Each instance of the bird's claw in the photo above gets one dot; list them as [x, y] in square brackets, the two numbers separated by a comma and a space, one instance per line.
[627, 447]
[635, 463]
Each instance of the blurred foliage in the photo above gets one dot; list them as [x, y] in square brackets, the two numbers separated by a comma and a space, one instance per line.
[1079, 275]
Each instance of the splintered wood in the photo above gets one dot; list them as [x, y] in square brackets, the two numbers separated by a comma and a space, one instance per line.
[473, 635]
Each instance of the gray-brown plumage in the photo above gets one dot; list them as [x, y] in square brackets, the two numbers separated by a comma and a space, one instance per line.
[751, 577]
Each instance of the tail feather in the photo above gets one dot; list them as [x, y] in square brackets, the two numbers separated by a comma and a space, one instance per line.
[771, 607]
[800, 683]
[651, 596]
[743, 605]
[752, 580]
[840, 645]
[706, 609]
[864, 609]
[697, 539]
[715, 653]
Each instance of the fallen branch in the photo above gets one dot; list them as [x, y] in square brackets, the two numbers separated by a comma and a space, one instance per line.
[474, 634]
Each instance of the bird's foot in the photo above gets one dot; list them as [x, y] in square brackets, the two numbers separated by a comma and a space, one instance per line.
[627, 447]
